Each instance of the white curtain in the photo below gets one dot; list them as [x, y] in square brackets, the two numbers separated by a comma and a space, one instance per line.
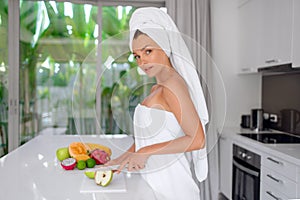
[193, 20]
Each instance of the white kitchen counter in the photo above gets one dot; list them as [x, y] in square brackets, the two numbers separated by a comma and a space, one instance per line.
[32, 172]
[289, 152]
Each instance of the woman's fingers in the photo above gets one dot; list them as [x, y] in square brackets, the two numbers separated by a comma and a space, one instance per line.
[112, 162]
[122, 165]
[134, 162]
[141, 166]
[132, 166]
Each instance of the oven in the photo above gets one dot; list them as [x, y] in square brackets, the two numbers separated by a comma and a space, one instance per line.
[245, 174]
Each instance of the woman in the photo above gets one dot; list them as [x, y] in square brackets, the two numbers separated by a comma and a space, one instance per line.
[169, 123]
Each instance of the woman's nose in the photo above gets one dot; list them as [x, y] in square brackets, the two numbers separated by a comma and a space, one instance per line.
[142, 61]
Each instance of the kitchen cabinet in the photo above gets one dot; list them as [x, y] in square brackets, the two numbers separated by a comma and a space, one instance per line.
[296, 34]
[278, 178]
[269, 193]
[248, 41]
[225, 163]
[265, 33]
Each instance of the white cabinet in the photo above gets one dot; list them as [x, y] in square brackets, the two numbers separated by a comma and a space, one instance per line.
[278, 178]
[248, 35]
[276, 32]
[225, 166]
[296, 34]
[265, 33]
[269, 193]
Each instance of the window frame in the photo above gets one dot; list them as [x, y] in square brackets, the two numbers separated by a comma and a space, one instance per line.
[14, 51]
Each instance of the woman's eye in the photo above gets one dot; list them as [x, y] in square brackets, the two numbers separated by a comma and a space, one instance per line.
[148, 51]
[136, 57]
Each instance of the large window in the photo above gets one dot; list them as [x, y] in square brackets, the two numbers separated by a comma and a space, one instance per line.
[3, 77]
[55, 40]
[76, 72]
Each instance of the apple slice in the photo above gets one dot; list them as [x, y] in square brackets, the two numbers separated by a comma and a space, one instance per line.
[90, 174]
[103, 178]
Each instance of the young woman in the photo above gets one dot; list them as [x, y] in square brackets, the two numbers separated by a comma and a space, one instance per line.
[169, 130]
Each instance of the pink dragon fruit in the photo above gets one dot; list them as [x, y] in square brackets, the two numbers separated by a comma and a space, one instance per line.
[100, 156]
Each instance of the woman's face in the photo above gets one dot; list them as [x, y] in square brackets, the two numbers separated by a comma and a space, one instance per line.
[149, 56]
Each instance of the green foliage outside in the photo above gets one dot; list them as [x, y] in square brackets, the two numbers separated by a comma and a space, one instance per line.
[49, 36]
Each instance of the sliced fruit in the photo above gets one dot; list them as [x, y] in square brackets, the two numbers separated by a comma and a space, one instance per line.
[62, 153]
[93, 146]
[69, 163]
[90, 163]
[100, 156]
[81, 157]
[81, 164]
[90, 174]
[103, 178]
[77, 148]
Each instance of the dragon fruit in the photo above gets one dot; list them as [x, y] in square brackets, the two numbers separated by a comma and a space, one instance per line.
[100, 156]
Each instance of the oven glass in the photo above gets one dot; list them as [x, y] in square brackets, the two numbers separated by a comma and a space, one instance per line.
[245, 174]
[246, 182]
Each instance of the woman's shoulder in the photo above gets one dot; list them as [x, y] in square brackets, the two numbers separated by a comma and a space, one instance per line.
[175, 90]
[175, 85]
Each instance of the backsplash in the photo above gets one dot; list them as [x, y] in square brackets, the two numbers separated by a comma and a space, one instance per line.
[281, 96]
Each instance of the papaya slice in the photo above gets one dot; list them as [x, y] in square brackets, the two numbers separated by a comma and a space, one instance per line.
[80, 150]
[77, 148]
[81, 157]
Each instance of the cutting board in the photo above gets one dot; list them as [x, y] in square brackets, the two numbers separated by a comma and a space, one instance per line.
[118, 184]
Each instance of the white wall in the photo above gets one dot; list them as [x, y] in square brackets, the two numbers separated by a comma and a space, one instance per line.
[243, 92]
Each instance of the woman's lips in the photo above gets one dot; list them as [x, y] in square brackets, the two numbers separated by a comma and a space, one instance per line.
[148, 68]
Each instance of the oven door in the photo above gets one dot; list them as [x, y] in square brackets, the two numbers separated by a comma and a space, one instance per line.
[245, 181]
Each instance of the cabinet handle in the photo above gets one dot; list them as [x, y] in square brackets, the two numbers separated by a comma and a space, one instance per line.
[274, 179]
[272, 195]
[272, 61]
[275, 161]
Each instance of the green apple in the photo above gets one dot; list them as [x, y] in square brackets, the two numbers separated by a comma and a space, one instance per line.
[103, 178]
[90, 174]
[62, 153]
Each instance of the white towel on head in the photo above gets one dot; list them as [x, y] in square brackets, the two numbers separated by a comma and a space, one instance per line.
[159, 26]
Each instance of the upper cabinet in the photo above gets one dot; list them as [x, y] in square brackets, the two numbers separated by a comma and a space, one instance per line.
[265, 33]
[296, 34]
[248, 35]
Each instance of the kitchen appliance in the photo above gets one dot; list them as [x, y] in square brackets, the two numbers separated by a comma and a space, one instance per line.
[257, 119]
[245, 121]
[272, 138]
[290, 118]
[245, 174]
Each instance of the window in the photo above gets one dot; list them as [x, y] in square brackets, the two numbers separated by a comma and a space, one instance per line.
[74, 74]
[75, 69]
[3, 77]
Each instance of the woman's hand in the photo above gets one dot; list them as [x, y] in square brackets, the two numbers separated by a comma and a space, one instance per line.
[134, 161]
[118, 160]
[122, 157]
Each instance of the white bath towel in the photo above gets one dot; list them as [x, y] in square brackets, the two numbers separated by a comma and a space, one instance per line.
[159, 26]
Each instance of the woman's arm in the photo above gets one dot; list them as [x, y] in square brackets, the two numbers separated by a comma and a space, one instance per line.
[177, 98]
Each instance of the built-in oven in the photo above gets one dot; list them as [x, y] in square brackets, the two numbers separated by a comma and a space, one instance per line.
[245, 174]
